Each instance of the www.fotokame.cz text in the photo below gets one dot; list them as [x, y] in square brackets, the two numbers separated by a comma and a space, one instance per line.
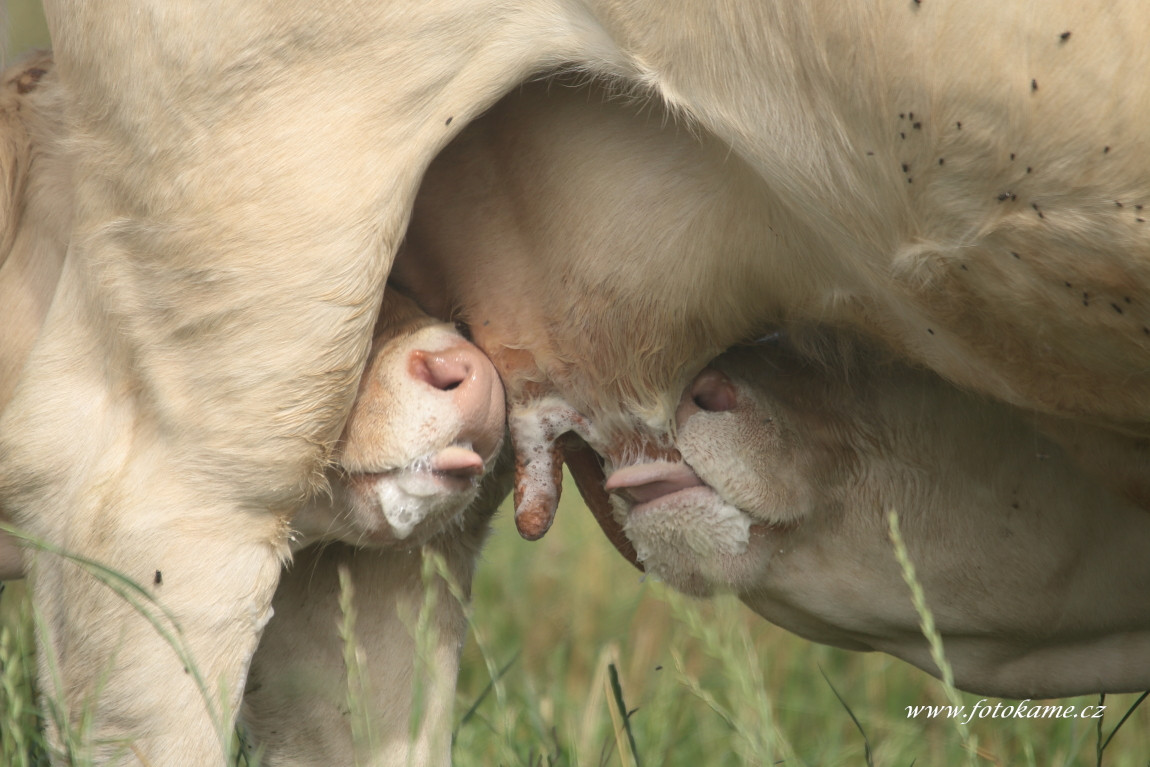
[983, 710]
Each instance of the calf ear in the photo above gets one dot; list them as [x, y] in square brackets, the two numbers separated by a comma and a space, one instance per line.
[18, 81]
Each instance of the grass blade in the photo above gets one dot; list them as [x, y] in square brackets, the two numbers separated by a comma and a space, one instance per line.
[1121, 722]
[624, 714]
[467, 715]
[929, 630]
[851, 714]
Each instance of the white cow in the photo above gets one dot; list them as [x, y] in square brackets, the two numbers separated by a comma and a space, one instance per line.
[426, 425]
[960, 182]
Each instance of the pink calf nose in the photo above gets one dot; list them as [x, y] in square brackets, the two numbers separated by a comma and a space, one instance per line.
[468, 380]
[711, 392]
[445, 370]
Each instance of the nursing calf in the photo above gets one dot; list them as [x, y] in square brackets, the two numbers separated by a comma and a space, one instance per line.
[426, 426]
[1034, 571]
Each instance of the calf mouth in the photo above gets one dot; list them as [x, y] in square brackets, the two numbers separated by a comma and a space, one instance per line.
[656, 493]
[548, 433]
[644, 484]
[429, 492]
[655, 485]
[652, 487]
[659, 487]
[453, 469]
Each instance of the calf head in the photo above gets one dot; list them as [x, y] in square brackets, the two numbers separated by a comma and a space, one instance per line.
[426, 426]
[788, 469]
[751, 457]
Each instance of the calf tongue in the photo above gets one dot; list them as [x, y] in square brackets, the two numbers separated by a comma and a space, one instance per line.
[645, 482]
[459, 461]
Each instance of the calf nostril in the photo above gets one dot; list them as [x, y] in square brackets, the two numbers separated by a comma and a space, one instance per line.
[446, 370]
[713, 392]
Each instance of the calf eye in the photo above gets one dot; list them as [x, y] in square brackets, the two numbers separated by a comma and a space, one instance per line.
[463, 329]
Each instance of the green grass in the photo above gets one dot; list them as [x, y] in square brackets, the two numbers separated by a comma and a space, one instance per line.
[24, 27]
[712, 683]
[701, 682]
